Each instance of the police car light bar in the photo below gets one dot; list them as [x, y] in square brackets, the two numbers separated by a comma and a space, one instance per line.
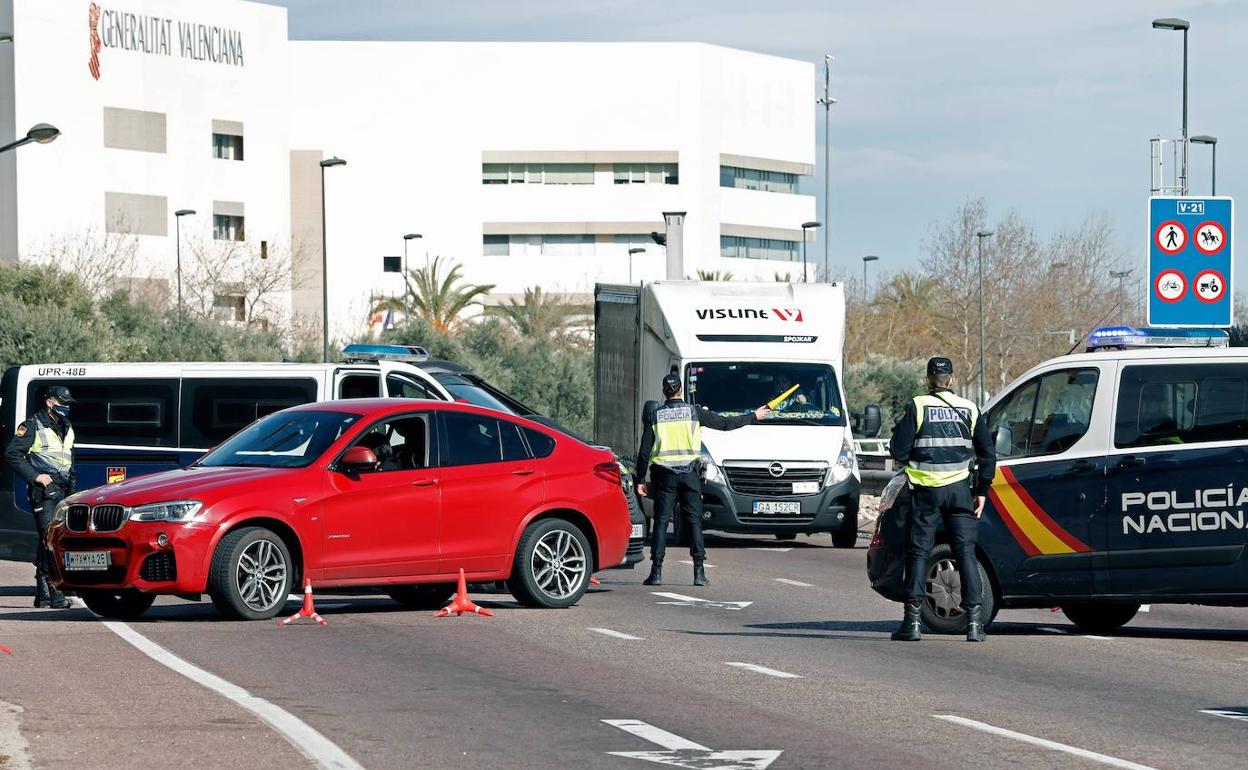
[1125, 337]
[358, 352]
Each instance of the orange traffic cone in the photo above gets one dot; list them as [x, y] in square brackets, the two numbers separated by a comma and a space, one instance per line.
[307, 610]
[593, 581]
[461, 603]
[5, 650]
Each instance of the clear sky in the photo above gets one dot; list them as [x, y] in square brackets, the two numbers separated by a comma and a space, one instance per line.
[1044, 107]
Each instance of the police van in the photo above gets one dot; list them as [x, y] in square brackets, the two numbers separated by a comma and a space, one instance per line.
[132, 419]
[1122, 479]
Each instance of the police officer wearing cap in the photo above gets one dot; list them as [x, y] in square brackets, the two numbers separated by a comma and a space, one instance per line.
[671, 451]
[949, 459]
[42, 453]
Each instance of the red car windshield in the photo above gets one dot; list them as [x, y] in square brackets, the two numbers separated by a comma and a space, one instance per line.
[281, 440]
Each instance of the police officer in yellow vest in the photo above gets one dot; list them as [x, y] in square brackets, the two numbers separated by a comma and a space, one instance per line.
[42, 453]
[939, 440]
[671, 451]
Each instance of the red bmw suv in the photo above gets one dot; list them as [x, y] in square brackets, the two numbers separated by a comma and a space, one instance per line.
[398, 494]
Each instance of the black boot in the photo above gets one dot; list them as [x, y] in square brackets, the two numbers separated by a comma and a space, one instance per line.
[975, 624]
[42, 596]
[910, 629]
[699, 574]
[56, 599]
[656, 575]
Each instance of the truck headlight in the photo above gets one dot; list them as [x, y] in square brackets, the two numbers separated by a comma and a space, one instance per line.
[174, 510]
[714, 473]
[843, 468]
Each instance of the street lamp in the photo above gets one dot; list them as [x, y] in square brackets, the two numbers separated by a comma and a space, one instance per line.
[334, 161]
[981, 235]
[806, 226]
[6, 37]
[827, 102]
[177, 226]
[41, 133]
[865, 260]
[406, 238]
[1180, 25]
[1120, 274]
[1212, 141]
[631, 252]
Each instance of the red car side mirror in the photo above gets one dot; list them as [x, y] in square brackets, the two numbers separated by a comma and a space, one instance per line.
[358, 458]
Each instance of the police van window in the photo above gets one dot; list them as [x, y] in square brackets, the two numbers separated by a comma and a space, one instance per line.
[405, 387]
[541, 444]
[138, 412]
[1182, 404]
[1063, 410]
[215, 409]
[360, 386]
[1010, 421]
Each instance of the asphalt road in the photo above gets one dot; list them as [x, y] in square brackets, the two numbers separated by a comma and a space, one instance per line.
[391, 688]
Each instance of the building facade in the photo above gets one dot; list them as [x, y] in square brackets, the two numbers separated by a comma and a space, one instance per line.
[530, 164]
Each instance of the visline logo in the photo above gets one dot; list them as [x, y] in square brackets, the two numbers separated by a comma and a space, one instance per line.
[790, 314]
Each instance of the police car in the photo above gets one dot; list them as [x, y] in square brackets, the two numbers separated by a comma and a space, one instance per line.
[132, 419]
[1122, 479]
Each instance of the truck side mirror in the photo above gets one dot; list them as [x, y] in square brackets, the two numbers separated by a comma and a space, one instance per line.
[872, 421]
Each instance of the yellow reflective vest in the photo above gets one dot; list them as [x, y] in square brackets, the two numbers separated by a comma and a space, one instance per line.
[677, 436]
[943, 447]
[50, 453]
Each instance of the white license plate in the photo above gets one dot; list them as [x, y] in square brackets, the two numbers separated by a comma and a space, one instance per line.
[805, 487]
[88, 560]
[639, 530]
[777, 506]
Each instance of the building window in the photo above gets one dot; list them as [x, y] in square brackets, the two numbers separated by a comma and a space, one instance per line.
[497, 245]
[646, 173]
[227, 147]
[229, 307]
[537, 173]
[227, 227]
[757, 248]
[755, 179]
[552, 245]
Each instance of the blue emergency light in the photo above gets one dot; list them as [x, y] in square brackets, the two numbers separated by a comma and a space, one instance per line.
[1128, 337]
[358, 352]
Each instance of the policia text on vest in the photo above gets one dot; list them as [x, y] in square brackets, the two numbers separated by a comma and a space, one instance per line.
[42, 453]
[671, 455]
[938, 440]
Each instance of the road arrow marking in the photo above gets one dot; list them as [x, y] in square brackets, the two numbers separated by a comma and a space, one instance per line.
[680, 600]
[1239, 714]
[680, 752]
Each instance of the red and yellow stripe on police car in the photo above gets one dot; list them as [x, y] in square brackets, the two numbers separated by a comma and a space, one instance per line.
[1034, 530]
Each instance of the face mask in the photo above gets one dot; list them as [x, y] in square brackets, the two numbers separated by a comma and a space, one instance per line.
[63, 411]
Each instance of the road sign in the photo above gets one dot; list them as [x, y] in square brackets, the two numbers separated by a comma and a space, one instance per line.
[1190, 261]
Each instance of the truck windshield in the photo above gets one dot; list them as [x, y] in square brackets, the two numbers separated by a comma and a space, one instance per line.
[738, 388]
[281, 440]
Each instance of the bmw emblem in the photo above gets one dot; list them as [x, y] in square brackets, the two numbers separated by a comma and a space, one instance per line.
[776, 470]
[101, 497]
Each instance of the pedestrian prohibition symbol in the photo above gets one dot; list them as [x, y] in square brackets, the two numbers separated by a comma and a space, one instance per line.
[1190, 261]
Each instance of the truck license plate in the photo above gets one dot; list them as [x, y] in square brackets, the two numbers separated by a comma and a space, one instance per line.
[785, 507]
[87, 560]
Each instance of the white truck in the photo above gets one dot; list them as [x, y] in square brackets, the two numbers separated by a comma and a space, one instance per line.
[737, 346]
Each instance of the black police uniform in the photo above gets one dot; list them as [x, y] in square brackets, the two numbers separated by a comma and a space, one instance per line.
[672, 486]
[949, 443]
[43, 499]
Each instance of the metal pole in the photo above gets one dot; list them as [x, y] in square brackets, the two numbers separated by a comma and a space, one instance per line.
[1186, 144]
[405, 261]
[827, 166]
[324, 278]
[981, 319]
[1214, 185]
[177, 227]
[864, 310]
[803, 255]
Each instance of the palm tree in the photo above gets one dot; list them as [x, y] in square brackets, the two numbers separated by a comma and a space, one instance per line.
[714, 275]
[540, 315]
[436, 296]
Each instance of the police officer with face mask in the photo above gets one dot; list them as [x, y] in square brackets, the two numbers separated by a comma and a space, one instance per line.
[671, 453]
[42, 453]
[938, 440]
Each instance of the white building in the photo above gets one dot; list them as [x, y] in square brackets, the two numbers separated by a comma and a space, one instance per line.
[531, 164]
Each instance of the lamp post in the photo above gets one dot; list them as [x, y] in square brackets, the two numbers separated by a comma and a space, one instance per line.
[41, 133]
[806, 226]
[827, 102]
[1212, 141]
[334, 161]
[631, 252]
[406, 238]
[1180, 25]
[177, 227]
[981, 235]
[1120, 274]
[865, 260]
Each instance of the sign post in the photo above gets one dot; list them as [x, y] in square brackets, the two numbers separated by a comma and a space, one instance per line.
[1190, 261]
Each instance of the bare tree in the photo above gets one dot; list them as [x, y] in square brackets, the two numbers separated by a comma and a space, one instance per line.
[105, 262]
[234, 281]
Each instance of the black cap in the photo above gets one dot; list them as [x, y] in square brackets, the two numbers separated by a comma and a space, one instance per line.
[671, 385]
[939, 366]
[60, 393]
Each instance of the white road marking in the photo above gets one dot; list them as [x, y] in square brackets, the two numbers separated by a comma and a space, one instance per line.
[1239, 715]
[1052, 630]
[764, 670]
[615, 634]
[1146, 608]
[798, 583]
[1043, 743]
[693, 601]
[704, 564]
[681, 752]
[319, 750]
[777, 550]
